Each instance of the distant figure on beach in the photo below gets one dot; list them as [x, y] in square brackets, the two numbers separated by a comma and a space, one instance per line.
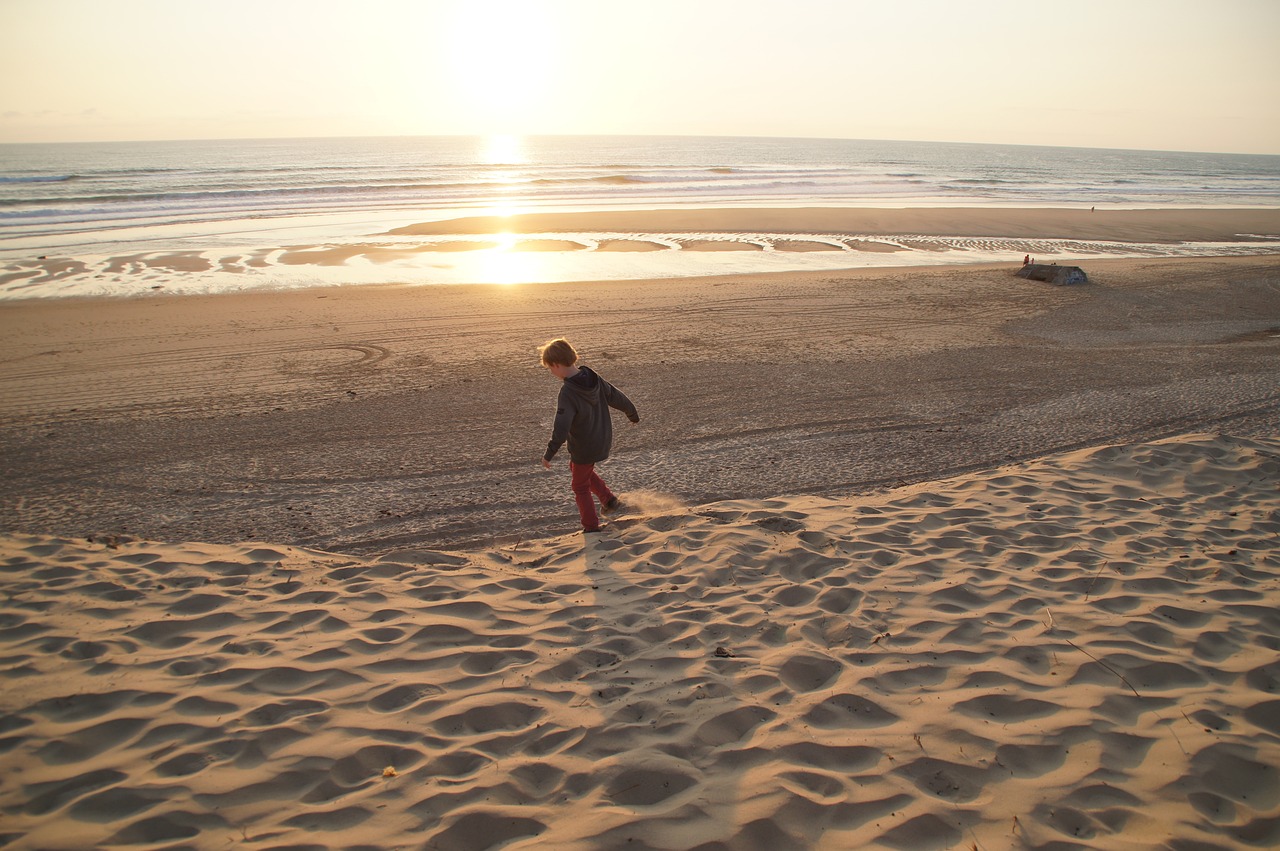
[1026, 259]
[582, 419]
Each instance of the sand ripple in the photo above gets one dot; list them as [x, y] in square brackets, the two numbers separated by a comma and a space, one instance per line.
[1076, 652]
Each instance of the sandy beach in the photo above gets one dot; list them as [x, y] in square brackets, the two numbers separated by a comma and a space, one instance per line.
[362, 419]
[1076, 652]
[1017, 222]
[912, 558]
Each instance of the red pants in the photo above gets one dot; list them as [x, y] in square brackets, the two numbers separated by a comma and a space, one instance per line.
[585, 482]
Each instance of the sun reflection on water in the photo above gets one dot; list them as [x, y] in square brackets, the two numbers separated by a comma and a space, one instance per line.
[502, 149]
[505, 264]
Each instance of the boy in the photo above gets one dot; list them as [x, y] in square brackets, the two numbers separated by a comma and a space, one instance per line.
[582, 418]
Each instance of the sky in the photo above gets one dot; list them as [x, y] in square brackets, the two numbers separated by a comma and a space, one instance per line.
[1191, 75]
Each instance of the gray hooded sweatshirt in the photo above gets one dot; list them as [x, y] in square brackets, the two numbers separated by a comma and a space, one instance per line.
[582, 417]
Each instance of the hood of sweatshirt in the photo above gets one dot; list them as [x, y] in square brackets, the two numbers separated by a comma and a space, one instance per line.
[586, 383]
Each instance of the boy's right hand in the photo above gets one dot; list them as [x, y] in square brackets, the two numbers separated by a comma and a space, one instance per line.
[546, 463]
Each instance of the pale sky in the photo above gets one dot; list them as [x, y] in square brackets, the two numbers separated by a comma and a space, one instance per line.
[1198, 75]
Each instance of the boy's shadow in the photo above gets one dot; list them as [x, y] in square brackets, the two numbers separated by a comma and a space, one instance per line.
[672, 726]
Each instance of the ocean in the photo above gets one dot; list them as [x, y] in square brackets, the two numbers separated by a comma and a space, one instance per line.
[86, 204]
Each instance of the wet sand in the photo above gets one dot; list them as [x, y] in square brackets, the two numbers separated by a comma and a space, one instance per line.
[1021, 222]
[364, 418]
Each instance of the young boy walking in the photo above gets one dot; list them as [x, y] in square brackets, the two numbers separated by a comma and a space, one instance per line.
[582, 419]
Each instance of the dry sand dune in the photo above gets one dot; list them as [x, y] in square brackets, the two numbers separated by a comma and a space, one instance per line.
[1075, 652]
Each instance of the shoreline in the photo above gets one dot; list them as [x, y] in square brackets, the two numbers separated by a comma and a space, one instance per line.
[637, 245]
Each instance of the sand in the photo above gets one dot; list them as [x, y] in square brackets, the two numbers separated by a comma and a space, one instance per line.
[1024, 223]
[911, 559]
[360, 419]
[1076, 652]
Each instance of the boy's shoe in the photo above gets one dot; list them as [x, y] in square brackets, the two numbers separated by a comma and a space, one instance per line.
[597, 529]
[611, 506]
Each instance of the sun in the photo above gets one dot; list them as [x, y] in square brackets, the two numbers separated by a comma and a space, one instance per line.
[501, 62]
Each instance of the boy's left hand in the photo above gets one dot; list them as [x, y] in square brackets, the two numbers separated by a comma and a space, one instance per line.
[546, 463]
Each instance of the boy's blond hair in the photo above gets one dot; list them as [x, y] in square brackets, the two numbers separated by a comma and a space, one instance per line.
[557, 352]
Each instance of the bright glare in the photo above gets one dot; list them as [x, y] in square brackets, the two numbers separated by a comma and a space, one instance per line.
[502, 149]
[248, 69]
[501, 62]
[502, 264]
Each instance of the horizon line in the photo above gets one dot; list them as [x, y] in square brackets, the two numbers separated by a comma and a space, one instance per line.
[622, 136]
